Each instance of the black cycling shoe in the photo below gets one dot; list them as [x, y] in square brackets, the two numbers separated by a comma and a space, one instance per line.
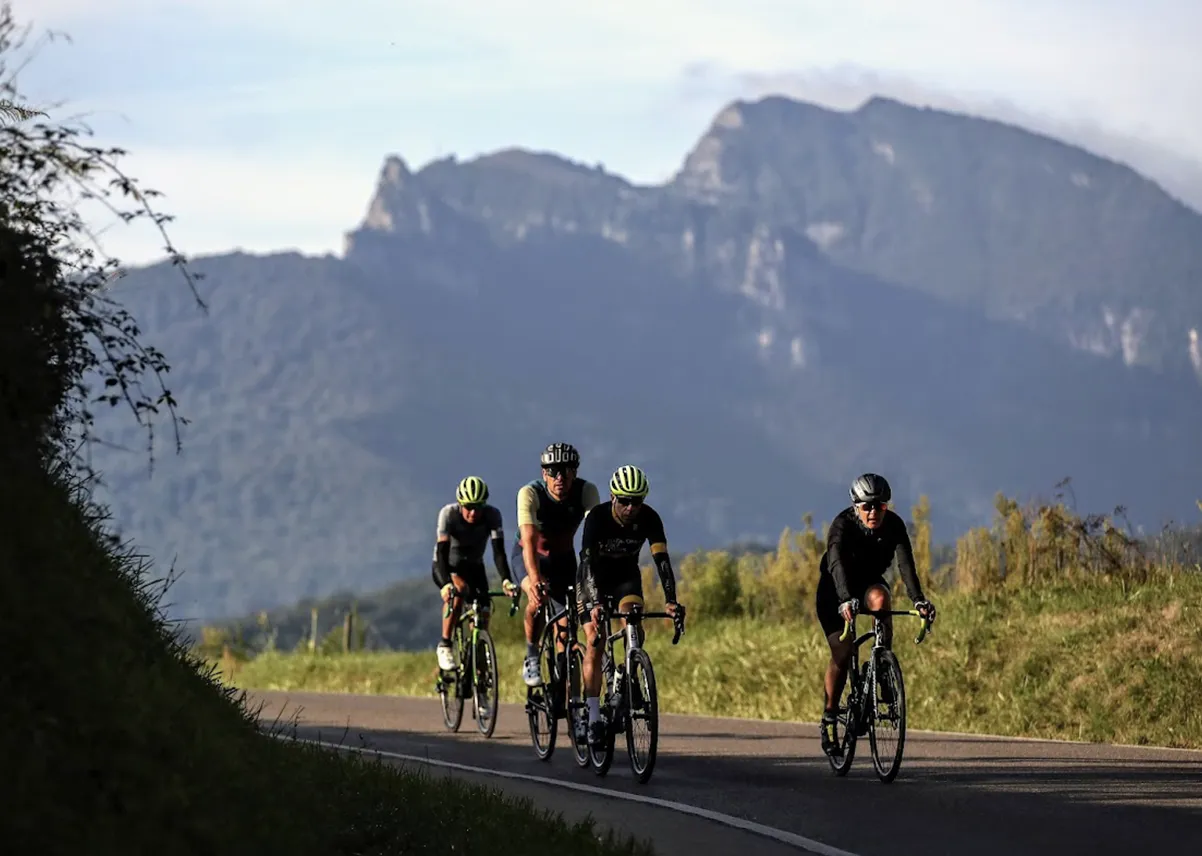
[830, 741]
[597, 732]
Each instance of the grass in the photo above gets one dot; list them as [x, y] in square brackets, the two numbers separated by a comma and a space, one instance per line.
[1098, 661]
[119, 742]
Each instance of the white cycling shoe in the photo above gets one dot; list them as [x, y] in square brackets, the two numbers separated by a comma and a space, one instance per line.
[530, 672]
[446, 659]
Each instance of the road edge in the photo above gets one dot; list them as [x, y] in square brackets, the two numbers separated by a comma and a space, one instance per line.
[808, 845]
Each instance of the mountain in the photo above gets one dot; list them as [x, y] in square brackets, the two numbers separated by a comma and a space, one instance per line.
[960, 304]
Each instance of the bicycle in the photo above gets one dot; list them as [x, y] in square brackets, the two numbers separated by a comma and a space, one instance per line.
[859, 716]
[560, 693]
[623, 699]
[475, 676]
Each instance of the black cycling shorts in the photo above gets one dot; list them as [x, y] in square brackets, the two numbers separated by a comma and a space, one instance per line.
[826, 601]
[557, 571]
[474, 576]
[618, 593]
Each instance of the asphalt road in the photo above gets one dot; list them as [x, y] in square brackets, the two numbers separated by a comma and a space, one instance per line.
[956, 794]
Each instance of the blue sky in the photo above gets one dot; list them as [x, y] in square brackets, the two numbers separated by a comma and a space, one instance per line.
[265, 122]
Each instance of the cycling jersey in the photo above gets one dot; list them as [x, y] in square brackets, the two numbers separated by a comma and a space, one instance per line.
[555, 521]
[856, 555]
[609, 554]
[465, 542]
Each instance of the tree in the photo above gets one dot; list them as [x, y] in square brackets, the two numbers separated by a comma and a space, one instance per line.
[65, 345]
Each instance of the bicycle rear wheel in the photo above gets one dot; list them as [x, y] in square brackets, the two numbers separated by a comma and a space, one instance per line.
[449, 684]
[642, 716]
[486, 696]
[887, 719]
[540, 700]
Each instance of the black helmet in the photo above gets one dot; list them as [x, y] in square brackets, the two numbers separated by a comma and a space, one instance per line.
[870, 488]
[560, 453]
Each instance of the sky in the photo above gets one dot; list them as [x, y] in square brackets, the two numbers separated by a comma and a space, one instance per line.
[265, 122]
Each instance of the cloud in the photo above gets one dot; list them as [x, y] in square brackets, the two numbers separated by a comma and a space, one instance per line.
[222, 202]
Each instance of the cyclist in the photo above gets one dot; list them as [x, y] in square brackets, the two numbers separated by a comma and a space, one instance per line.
[862, 542]
[614, 533]
[463, 528]
[549, 512]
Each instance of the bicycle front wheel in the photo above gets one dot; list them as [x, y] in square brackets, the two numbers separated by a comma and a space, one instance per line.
[887, 717]
[642, 716]
[449, 687]
[577, 707]
[486, 696]
[540, 700]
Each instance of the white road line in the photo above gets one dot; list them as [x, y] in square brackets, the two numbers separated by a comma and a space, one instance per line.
[780, 835]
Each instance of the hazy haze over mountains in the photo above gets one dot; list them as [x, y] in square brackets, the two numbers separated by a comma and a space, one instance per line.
[960, 304]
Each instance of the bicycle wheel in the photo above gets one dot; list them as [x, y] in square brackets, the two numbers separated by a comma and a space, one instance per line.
[847, 725]
[449, 685]
[642, 716]
[887, 717]
[486, 696]
[540, 700]
[577, 707]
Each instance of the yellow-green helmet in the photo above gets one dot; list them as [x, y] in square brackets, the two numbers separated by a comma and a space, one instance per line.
[629, 481]
[472, 491]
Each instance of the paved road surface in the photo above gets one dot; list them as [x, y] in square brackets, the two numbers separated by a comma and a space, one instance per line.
[955, 794]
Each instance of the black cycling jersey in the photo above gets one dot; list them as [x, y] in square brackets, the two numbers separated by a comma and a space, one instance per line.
[609, 551]
[554, 520]
[855, 555]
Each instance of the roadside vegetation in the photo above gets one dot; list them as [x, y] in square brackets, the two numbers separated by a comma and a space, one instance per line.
[117, 737]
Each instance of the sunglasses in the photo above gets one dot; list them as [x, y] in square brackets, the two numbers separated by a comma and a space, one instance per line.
[871, 506]
[629, 500]
[475, 506]
[558, 470]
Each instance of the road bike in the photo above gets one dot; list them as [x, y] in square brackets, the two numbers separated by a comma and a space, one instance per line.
[629, 700]
[559, 694]
[875, 700]
[475, 673]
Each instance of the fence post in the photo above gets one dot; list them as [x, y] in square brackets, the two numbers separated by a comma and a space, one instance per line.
[348, 626]
[313, 630]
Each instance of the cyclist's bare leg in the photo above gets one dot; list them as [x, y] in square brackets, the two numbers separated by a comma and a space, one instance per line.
[836, 670]
[877, 598]
[448, 622]
[534, 619]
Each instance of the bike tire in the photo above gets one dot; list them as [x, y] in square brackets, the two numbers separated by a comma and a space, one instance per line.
[486, 673]
[847, 725]
[888, 764]
[577, 707]
[540, 707]
[602, 760]
[452, 698]
[642, 764]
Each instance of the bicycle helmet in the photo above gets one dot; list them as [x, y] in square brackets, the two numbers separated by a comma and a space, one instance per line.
[560, 453]
[629, 481]
[471, 491]
[870, 488]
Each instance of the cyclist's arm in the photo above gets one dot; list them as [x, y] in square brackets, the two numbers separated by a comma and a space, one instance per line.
[499, 559]
[528, 530]
[442, 548]
[586, 575]
[659, 553]
[834, 559]
[903, 554]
